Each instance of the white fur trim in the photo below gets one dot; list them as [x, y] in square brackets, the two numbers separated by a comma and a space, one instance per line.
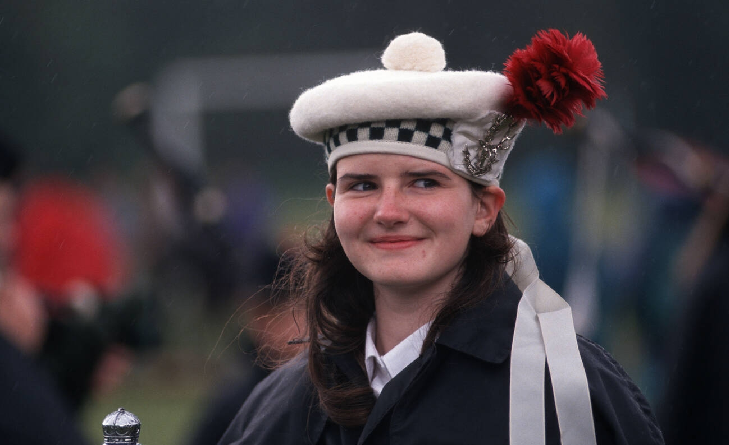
[367, 96]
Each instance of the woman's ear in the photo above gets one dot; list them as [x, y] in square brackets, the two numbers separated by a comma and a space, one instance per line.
[490, 201]
[330, 191]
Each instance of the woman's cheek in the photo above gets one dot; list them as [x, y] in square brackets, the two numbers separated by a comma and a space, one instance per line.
[348, 217]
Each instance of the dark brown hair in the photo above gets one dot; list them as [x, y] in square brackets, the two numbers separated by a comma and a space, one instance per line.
[339, 303]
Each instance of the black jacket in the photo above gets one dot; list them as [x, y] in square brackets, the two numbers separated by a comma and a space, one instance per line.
[32, 410]
[456, 392]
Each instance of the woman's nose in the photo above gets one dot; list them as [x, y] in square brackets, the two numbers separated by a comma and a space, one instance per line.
[391, 207]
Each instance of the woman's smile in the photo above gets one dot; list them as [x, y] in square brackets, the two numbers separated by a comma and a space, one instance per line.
[395, 242]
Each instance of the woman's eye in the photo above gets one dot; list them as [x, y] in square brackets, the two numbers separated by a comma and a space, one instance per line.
[426, 183]
[362, 186]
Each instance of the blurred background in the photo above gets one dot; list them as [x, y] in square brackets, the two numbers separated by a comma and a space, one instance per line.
[151, 183]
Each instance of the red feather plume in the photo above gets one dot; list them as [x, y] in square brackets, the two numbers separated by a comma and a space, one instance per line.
[553, 78]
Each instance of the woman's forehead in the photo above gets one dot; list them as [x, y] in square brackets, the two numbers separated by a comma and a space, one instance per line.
[375, 163]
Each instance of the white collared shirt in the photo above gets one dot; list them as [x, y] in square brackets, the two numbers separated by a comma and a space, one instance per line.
[382, 369]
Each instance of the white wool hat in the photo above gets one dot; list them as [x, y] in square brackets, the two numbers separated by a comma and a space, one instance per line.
[465, 120]
[413, 107]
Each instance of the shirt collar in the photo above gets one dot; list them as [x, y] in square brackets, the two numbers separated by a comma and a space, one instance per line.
[371, 354]
[399, 357]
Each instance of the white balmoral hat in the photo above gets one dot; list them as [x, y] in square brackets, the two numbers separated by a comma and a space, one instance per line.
[465, 120]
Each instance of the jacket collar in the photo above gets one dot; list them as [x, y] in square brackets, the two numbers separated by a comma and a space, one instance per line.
[486, 331]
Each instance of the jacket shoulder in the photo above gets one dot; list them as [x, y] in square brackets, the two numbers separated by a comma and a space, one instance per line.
[621, 411]
[282, 409]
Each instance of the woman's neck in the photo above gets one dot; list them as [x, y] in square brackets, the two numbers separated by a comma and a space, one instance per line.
[399, 314]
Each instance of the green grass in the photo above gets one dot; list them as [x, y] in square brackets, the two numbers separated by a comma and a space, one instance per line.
[168, 410]
[168, 387]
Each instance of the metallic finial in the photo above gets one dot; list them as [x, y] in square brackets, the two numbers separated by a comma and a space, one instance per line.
[121, 428]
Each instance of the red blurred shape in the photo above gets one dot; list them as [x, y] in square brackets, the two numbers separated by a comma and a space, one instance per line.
[66, 236]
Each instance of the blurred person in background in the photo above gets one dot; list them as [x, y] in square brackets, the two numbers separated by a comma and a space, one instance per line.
[210, 245]
[687, 292]
[268, 326]
[69, 250]
[191, 251]
[32, 409]
[694, 407]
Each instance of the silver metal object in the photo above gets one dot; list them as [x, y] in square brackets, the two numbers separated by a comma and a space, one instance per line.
[487, 152]
[121, 428]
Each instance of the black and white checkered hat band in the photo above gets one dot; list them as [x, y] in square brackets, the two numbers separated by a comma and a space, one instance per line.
[433, 133]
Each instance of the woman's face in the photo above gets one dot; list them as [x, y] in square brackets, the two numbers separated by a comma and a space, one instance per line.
[406, 222]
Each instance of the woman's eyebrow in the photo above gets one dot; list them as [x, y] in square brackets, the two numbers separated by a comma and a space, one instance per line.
[427, 173]
[356, 177]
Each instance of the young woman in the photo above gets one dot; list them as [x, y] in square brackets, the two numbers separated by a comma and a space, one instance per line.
[426, 322]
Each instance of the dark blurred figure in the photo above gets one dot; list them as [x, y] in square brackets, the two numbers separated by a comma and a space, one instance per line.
[189, 246]
[651, 254]
[695, 407]
[270, 323]
[68, 248]
[32, 410]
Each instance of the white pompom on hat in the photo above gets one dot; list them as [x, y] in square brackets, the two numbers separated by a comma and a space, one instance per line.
[458, 119]
[414, 52]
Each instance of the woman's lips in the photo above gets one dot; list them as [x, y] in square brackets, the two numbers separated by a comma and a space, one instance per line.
[394, 242]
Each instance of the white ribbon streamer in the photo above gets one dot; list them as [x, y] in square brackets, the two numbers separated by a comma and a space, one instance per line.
[544, 330]
[526, 404]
